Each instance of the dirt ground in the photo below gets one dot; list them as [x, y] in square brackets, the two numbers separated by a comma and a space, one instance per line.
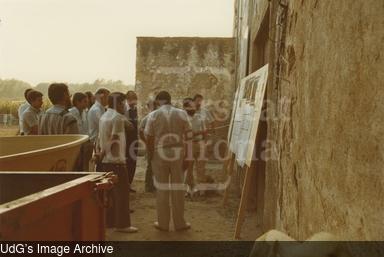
[209, 220]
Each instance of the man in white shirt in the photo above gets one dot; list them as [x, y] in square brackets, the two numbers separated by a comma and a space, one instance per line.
[203, 112]
[112, 141]
[30, 116]
[95, 113]
[165, 132]
[197, 159]
[21, 109]
[80, 104]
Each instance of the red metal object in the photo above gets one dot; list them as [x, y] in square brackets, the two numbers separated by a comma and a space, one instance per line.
[53, 206]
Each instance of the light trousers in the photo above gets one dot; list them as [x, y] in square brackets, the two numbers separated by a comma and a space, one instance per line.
[170, 189]
[196, 161]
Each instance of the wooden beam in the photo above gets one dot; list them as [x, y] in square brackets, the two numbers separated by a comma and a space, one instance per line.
[229, 169]
[243, 202]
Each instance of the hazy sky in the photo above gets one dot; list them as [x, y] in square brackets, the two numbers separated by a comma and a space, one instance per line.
[82, 40]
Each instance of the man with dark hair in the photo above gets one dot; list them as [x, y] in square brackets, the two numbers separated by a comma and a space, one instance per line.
[22, 109]
[26, 93]
[198, 97]
[96, 111]
[57, 120]
[80, 103]
[165, 131]
[163, 98]
[188, 103]
[133, 136]
[30, 117]
[91, 99]
[112, 141]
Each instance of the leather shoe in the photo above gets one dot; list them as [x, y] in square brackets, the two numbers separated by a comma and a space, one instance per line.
[157, 226]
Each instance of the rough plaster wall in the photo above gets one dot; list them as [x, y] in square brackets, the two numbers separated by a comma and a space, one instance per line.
[331, 168]
[186, 66]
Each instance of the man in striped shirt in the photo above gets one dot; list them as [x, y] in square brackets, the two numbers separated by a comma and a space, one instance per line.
[30, 116]
[57, 120]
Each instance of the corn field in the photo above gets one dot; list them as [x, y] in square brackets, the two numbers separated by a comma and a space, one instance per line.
[11, 107]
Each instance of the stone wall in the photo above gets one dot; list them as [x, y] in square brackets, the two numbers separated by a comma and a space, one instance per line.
[326, 60]
[185, 67]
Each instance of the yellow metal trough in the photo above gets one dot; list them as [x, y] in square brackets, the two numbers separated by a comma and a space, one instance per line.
[40, 153]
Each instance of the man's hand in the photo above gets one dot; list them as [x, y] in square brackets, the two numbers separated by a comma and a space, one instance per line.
[98, 157]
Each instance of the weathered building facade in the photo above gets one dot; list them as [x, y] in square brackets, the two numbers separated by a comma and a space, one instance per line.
[324, 129]
[185, 67]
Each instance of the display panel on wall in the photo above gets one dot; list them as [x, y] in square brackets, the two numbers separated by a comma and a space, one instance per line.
[247, 111]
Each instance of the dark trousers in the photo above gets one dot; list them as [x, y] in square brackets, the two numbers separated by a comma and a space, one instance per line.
[85, 155]
[149, 187]
[131, 157]
[118, 215]
[131, 166]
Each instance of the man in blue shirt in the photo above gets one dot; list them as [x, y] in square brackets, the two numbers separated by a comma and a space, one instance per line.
[96, 111]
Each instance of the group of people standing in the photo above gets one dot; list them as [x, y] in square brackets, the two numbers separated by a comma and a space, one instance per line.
[175, 140]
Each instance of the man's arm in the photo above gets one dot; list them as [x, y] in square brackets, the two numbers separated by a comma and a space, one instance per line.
[115, 146]
[70, 125]
[149, 134]
[128, 126]
[93, 119]
[141, 129]
[209, 119]
[89, 121]
[119, 127]
[99, 152]
[32, 122]
[203, 132]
